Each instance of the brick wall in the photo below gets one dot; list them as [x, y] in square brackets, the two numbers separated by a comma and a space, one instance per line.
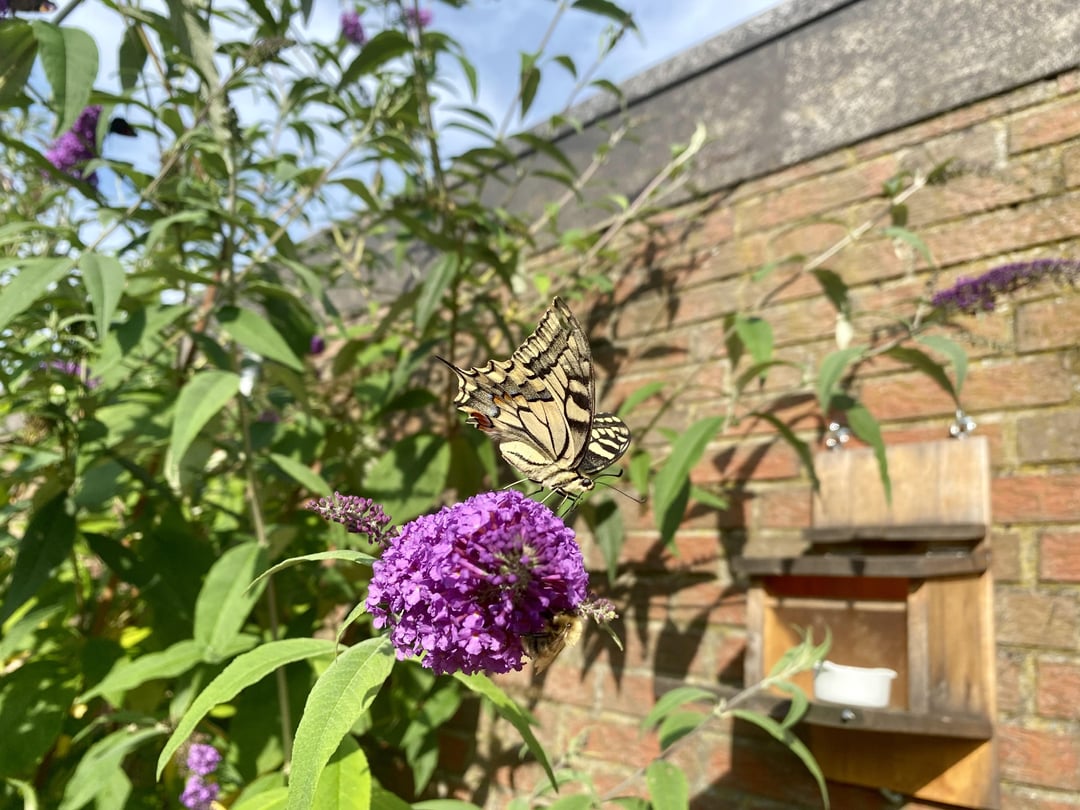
[683, 616]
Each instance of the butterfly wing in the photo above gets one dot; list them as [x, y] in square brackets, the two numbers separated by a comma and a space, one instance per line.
[608, 440]
[538, 405]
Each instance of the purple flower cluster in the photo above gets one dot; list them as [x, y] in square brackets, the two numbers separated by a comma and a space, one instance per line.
[358, 515]
[202, 760]
[462, 587]
[74, 148]
[317, 345]
[351, 28]
[417, 17]
[980, 294]
[5, 9]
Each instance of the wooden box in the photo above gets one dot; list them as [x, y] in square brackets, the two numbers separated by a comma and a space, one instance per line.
[904, 585]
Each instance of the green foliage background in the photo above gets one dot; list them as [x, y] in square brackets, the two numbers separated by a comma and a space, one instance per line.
[165, 422]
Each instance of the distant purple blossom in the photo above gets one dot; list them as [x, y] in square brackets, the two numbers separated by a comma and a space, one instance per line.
[5, 8]
[72, 369]
[980, 294]
[351, 27]
[463, 587]
[318, 345]
[72, 150]
[198, 795]
[203, 759]
[358, 515]
[418, 17]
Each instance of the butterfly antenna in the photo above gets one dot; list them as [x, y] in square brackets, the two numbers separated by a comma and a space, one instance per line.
[620, 491]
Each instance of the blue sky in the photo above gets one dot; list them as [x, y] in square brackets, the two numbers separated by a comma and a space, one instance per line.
[493, 32]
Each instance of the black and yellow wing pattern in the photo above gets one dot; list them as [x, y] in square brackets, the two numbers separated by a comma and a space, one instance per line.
[538, 406]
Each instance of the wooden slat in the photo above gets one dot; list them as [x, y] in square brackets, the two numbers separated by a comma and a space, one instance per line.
[933, 483]
[866, 565]
[884, 721]
[928, 533]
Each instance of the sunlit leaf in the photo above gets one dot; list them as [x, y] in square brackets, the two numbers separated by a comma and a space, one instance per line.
[18, 47]
[510, 711]
[339, 698]
[671, 489]
[103, 276]
[241, 673]
[102, 758]
[668, 786]
[23, 290]
[225, 600]
[199, 402]
[256, 334]
[69, 57]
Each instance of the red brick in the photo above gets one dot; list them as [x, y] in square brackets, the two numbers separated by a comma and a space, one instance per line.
[1030, 381]
[1049, 219]
[815, 196]
[1052, 123]
[1059, 556]
[1005, 548]
[1048, 437]
[1070, 159]
[1036, 499]
[1020, 798]
[1010, 688]
[1058, 684]
[785, 509]
[1037, 619]
[1048, 324]
[1043, 758]
[763, 461]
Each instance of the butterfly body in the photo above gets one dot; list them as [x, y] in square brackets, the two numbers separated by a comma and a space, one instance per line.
[538, 406]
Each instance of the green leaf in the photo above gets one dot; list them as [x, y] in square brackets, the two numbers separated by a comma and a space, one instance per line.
[348, 555]
[530, 82]
[671, 489]
[225, 600]
[954, 351]
[245, 670]
[29, 285]
[904, 235]
[199, 402]
[862, 422]
[128, 674]
[793, 743]
[927, 365]
[431, 293]
[639, 395]
[382, 799]
[46, 543]
[610, 534]
[578, 801]
[638, 470]
[69, 57]
[164, 226]
[100, 761]
[132, 57]
[806, 457]
[18, 47]
[670, 701]
[302, 474]
[379, 50]
[668, 788]
[831, 371]
[710, 499]
[103, 277]
[339, 698]
[35, 699]
[757, 335]
[408, 478]
[345, 783]
[444, 804]
[256, 334]
[604, 8]
[510, 711]
[274, 799]
[678, 724]
[26, 792]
